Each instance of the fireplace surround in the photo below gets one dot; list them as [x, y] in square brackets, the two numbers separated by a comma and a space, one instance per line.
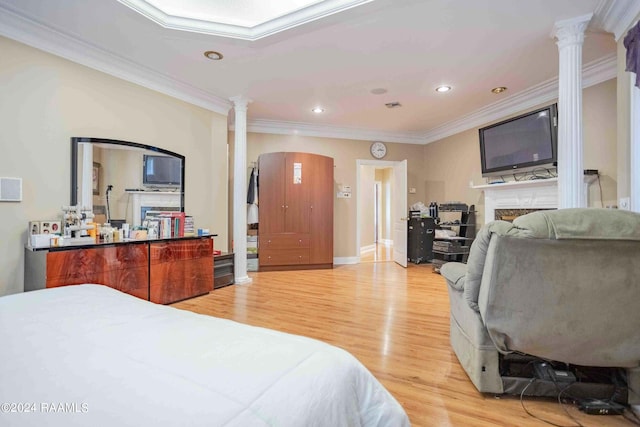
[521, 196]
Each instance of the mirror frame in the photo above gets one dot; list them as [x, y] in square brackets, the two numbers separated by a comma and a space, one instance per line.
[74, 161]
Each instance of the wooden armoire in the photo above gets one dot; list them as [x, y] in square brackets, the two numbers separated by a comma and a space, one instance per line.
[295, 194]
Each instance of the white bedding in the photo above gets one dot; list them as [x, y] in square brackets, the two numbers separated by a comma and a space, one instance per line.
[88, 355]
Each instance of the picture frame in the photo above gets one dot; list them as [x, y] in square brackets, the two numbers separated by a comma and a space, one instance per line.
[96, 179]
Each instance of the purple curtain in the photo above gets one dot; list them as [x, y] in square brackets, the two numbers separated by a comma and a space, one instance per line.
[632, 43]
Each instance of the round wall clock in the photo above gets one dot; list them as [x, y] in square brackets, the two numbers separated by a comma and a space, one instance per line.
[378, 150]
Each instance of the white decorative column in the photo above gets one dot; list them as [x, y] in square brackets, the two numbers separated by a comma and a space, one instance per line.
[85, 176]
[240, 104]
[570, 35]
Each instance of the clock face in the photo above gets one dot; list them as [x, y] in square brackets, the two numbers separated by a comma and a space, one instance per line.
[378, 150]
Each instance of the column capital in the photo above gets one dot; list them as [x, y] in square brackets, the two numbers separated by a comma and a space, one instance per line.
[571, 31]
[240, 102]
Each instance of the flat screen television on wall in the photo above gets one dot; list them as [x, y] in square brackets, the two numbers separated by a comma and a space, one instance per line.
[521, 144]
[161, 171]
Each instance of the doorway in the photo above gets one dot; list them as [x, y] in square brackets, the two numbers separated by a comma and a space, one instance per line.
[375, 213]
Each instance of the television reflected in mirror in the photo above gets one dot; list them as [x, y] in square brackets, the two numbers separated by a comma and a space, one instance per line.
[126, 168]
[160, 171]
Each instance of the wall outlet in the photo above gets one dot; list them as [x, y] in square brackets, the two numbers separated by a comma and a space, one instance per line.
[624, 203]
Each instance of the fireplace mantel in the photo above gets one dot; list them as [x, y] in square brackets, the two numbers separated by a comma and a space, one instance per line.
[530, 194]
[152, 199]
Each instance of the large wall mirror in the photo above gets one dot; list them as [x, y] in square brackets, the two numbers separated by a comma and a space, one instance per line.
[121, 180]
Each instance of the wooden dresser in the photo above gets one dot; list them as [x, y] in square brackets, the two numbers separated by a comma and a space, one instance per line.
[296, 211]
[161, 271]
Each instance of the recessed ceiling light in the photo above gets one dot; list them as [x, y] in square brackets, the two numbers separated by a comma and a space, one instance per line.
[499, 89]
[318, 110]
[393, 104]
[443, 89]
[213, 55]
[378, 91]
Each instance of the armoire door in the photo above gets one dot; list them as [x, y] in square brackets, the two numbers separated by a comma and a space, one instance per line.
[271, 193]
[321, 217]
[298, 179]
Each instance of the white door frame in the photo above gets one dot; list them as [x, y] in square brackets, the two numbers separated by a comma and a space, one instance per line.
[367, 162]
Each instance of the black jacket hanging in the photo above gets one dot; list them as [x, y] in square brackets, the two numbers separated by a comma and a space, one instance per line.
[251, 194]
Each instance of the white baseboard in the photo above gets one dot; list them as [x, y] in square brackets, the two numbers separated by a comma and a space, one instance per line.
[346, 260]
[368, 248]
[387, 242]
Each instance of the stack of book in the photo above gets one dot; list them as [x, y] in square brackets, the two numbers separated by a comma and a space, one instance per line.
[189, 229]
[165, 224]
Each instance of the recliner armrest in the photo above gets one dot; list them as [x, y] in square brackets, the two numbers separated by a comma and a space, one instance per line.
[455, 274]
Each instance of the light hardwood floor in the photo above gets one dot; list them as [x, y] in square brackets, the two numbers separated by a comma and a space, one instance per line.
[396, 322]
[382, 252]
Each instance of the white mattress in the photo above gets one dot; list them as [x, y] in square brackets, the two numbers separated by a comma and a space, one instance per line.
[88, 355]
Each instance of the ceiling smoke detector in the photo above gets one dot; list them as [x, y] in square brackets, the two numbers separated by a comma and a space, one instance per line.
[395, 104]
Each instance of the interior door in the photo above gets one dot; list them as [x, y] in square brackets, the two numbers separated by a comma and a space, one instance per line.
[400, 210]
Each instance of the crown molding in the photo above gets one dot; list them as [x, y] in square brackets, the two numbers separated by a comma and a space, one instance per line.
[24, 30]
[17, 27]
[327, 131]
[593, 73]
[290, 20]
[615, 16]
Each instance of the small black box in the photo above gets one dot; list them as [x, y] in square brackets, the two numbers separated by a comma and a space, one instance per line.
[600, 407]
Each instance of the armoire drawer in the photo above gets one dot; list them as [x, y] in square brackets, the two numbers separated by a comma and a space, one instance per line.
[283, 256]
[284, 241]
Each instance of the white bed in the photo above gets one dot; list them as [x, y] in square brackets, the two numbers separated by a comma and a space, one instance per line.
[88, 355]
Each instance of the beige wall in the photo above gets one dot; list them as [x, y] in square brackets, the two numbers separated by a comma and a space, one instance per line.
[600, 145]
[452, 163]
[385, 177]
[45, 100]
[366, 220]
[345, 153]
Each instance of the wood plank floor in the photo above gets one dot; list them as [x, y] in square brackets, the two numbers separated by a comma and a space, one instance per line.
[396, 322]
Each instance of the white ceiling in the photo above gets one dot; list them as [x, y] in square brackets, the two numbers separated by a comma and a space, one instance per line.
[407, 47]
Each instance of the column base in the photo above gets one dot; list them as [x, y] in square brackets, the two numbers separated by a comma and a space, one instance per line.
[246, 280]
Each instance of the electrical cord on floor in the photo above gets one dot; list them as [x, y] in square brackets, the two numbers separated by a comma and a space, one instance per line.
[560, 392]
[600, 187]
[634, 418]
[578, 424]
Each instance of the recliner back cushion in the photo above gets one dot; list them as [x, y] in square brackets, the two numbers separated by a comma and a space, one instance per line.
[575, 223]
[581, 223]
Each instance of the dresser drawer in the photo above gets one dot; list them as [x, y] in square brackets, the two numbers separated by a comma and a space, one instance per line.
[283, 256]
[180, 269]
[122, 267]
[284, 241]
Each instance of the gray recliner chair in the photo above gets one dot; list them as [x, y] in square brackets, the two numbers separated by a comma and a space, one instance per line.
[561, 286]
